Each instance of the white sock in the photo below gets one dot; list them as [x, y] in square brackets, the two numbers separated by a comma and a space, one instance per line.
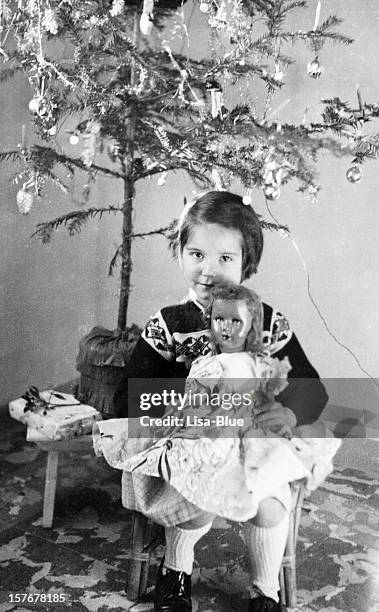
[266, 547]
[180, 543]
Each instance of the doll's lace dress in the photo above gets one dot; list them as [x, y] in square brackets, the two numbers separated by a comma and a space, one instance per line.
[223, 469]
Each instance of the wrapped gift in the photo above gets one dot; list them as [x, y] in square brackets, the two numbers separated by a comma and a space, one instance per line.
[56, 415]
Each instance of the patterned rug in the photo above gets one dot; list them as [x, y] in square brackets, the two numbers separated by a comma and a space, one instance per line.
[83, 559]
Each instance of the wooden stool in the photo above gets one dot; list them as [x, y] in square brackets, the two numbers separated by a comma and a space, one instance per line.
[53, 448]
[147, 535]
[287, 574]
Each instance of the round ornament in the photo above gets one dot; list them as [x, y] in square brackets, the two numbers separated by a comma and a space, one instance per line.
[272, 192]
[354, 174]
[24, 201]
[74, 139]
[35, 104]
[204, 8]
[247, 199]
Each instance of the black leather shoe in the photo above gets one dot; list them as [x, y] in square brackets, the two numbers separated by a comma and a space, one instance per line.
[264, 604]
[172, 591]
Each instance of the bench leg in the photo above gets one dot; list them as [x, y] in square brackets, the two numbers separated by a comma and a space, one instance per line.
[50, 488]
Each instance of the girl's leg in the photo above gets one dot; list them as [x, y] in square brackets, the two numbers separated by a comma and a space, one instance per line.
[181, 540]
[173, 586]
[266, 537]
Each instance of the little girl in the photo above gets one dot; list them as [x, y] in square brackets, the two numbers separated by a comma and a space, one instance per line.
[216, 235]
[212, 449]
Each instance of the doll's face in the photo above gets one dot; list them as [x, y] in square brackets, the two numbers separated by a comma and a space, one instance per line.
[230, 325]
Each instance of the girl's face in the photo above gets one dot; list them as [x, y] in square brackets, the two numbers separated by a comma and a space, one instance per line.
[230, 324]
[211, 251]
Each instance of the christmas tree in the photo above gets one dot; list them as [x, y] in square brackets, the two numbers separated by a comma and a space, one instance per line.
[102, 81]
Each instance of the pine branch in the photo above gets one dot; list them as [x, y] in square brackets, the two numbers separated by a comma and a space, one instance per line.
[273, 227]
[10, 156]
[114, 259]
[44, 158]
[366, 148]
[73, 221]
[162, 231]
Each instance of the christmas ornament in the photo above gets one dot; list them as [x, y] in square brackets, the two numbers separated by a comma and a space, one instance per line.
[44, 108]
[360, 101]
[24, 201]
[146, 20]
[312, 193]
[113, 152]
[313, 189]
[49, 21]
[315, 69]
[317, 15]
[354, 174]
[90, 139]
[117, 7]
[204, 8]
[216, 97]
[89, 150]
[162, 179]
[36, 105]
[272, 174]
[278, 74]
[271, 192]
[74, 139]
[247, 199]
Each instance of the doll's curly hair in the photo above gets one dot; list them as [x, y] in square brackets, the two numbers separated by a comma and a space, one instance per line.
[226, 290]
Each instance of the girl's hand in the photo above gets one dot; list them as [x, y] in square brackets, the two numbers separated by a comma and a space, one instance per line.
[276, 417]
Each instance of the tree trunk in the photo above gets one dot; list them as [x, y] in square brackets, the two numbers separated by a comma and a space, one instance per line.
[126, 262]
[127, 208]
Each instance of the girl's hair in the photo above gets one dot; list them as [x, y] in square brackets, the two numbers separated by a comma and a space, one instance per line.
[226, 290]
[225, 209]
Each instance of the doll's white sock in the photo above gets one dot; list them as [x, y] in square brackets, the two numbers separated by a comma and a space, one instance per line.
[180, 543]
[266, 547]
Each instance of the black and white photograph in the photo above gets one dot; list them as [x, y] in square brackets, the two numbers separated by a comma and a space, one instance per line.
[189, 216]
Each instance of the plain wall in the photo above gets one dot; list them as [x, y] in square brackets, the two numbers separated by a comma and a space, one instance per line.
[52, 295]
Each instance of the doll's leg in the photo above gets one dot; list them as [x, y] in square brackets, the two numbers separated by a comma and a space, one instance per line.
[266, 536]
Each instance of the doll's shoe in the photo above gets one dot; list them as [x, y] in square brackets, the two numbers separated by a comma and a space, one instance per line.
[172, 591]
[264, 604]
